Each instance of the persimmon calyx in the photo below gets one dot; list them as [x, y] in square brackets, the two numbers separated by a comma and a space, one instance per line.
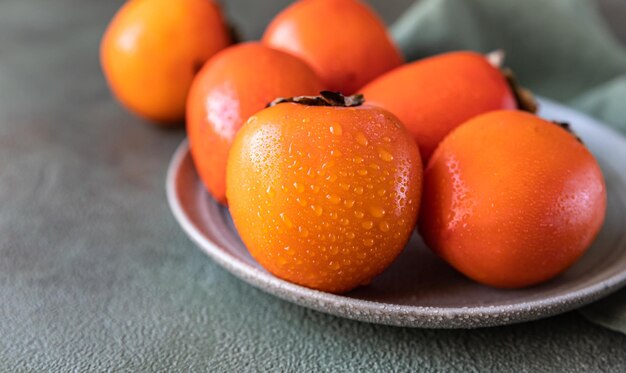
[523, 97]
[566, 126]
[326, 98]
[496, 58]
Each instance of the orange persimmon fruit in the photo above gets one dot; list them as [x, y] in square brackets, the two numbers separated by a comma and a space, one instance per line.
[434, 95]
[324, 192]
[234, 84]
[343, 40]
[152, 49]
[511, 200]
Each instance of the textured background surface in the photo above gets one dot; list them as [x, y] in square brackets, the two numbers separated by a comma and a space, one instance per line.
[95, 274]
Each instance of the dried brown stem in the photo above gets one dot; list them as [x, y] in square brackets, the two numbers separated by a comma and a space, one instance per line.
[566, 126]
[524, 97]
[326, 98]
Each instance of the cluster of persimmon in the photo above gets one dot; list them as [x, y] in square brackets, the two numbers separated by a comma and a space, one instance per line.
[325, 191]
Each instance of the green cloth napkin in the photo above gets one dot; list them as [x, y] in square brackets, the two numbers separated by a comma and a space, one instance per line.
[560, 49]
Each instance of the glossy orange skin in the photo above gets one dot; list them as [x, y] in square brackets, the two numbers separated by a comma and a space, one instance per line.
[343, 40]
[152, 49]
[511, 200]
[434, 95]
[236, 83]
[324, 197]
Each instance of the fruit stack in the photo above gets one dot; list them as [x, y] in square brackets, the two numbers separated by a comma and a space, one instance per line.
[329, 149]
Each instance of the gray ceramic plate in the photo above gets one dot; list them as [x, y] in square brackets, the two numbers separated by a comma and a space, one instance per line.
[419, 290]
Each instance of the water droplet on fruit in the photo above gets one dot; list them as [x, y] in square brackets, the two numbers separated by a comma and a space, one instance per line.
[384, 226]
[299, 187]
[336, 153]
[368, 242]
[285, 220]
[318, 210]
[301, 201]
[350, 235]
[385, 155]
[251, 120]
[328, 164]
[368, 224]
[358, 190]
[377, 211]
[303, 231]
[348, 203]
[361, 139]
[357, 159]
[336, 129]
[333, 198]
[359, 214]
[362, 172]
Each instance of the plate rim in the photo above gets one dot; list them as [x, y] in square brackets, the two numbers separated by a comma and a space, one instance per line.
[387, 313]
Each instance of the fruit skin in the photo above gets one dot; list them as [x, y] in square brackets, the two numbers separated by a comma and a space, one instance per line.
[152, 49]
[236, 83]
[348, 48]
[324, 197]
[434, 95]
[511, 200]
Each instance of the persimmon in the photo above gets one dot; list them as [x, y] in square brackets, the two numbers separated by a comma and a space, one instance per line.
[324, 192]
[434, 95]
[511, 200]
[343, 40]
[236, 83]
[152, 49]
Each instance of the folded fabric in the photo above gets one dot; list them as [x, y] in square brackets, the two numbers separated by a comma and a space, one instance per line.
[561, 49]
